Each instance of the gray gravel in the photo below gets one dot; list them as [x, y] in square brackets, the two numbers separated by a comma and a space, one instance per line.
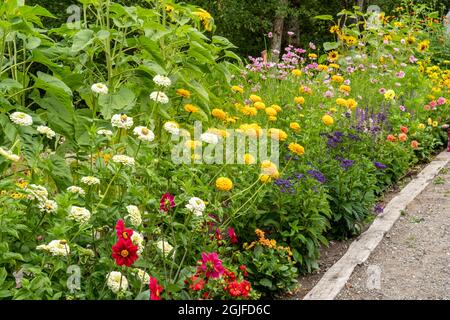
[413, 260]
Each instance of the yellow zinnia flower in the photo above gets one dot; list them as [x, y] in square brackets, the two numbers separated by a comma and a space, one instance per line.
[237, 89]
[190, 108]
[294, 126]
[255, 98]
[299, 100]
[219, 114]
[224, 184]
[296, 148]
[259, 105]
[183, 93]
[327, 119]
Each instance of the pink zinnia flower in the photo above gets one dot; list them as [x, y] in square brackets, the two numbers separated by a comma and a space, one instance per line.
[400, 74]
[382, 91]
[329, 94]
[413, 59]
[166, 202]
[441, 101]
[290, 33]
[211, 265]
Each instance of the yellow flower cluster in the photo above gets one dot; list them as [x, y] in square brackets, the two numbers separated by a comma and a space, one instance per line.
[268, 243]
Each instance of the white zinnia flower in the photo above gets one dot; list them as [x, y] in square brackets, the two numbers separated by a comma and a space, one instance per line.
[123, 159]
[90, 181]
[48, 206]
[122, 121]
[172, 127]
[47, 131]
[210, 138]
[76, 190]
[9, 155]
[159, 96]
[99, 88]
[144, 134]
[164, 246]
[116, 281]
[143, 276]
[37, 192]
[135, 215]
[22, 119]
[79, 214]
[196, 205]
[104, 132]
[138, 240]
[162, 81]
[56, 248]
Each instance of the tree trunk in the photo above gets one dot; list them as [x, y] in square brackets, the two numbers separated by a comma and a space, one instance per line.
[361, 5]
[278, 27]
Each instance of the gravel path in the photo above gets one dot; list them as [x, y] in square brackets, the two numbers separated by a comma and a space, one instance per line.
[413, 260]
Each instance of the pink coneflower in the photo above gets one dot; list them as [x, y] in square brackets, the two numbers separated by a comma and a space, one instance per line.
[232, 235]
[211, 265]
[270, 35]
[166, 202]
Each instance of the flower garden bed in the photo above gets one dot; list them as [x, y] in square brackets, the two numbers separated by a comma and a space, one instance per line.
[109, 189]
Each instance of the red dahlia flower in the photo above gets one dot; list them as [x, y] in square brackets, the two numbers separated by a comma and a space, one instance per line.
[124, 251]
[122, 232]
[234, 288]
[232, 235]
[166, 202]
[196, 283]
[245, 288]
[211, 265]
[155, 289]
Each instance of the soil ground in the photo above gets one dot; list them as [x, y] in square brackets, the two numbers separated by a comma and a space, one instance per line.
[336, 249]
[413, 259]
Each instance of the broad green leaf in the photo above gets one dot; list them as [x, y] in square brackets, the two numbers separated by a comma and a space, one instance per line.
[330, 45]
[324, 17]
[82, 39]
[121, 101]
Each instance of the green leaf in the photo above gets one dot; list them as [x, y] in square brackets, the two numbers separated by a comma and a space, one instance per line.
[330, 45]
[266, 283]
[8, 84]
[144, 295]
[123, 101]
[82, 39]
[5, 293]
[324, 17]
[59, 171]
[3, 275]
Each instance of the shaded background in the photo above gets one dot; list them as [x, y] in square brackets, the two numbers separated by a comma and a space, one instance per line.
[245, 22]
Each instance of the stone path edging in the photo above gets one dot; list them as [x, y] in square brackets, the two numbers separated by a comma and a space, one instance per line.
[359, 251]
